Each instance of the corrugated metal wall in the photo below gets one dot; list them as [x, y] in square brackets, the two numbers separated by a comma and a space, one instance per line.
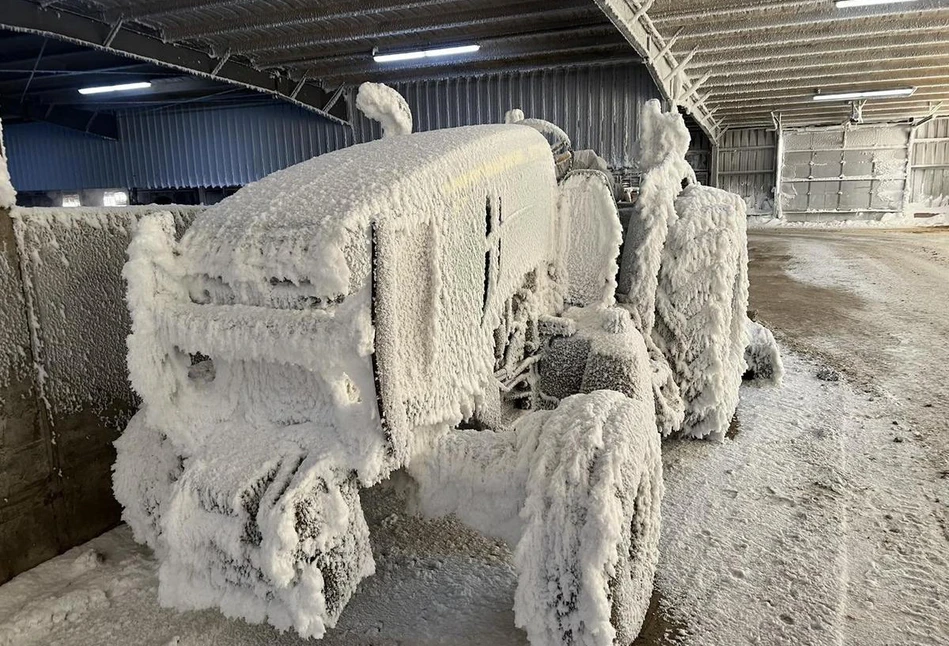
[930, 165]
[171, 149]
[746, 166]
[598, 106]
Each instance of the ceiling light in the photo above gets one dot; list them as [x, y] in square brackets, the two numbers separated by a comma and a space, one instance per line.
[868, 94]
[842, 4]
[102, 89]
[425, 53]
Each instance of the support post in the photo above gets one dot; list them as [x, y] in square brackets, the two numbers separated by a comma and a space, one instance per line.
[778, 165]
[713, 167]
[908, 182]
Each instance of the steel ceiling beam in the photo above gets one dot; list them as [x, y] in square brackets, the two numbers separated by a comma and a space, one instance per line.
[726, 13]
[805, 96]
[762, 69]
[816, 37]
[532, 62]
[506, 48]
[870, 119]
[131, 11]
[775, 82]
[469, 24]
[846, 49]
[93, 123]
[674, 84]
[907, 111]
[295, 17]
[868, 21]
[26, 16]
[817, 108]
[818, 71]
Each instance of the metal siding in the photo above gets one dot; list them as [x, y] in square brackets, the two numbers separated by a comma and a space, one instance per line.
[597, 105]
[930, 165]
[746, 166]
[208, 147]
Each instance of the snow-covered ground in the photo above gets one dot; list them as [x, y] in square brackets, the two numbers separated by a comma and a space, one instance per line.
[821, 519]
[927, 217]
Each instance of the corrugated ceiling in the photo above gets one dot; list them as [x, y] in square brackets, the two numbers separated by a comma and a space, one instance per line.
[750, 57]
[773, 55]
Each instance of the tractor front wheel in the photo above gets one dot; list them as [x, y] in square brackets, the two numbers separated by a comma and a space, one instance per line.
[590, 545]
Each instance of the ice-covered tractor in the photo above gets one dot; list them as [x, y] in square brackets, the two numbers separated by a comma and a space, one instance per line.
[438, 304]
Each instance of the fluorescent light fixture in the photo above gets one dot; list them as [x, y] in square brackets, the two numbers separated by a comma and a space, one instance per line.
[843, 4]
[425, 53]
[102, 89]
[868, 94]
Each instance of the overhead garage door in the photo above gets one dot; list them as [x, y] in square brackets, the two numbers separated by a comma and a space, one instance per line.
[857, 172]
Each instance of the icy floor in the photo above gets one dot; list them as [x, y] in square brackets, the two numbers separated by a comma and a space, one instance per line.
[820, 521]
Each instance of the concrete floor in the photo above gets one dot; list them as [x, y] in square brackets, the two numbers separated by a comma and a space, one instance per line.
[874, 304]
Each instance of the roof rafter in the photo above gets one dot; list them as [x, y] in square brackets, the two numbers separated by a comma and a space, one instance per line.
[674, 84]
[470, 23]
[25, 16]
[93, 123]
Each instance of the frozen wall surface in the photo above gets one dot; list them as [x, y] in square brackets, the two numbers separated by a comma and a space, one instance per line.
[72, 265]
[65, 391]
[28, 483]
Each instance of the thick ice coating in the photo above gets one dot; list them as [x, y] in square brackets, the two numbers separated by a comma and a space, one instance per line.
[7, 194]
[384, 104]
[264, 348]
[702, 304]
[762, 356]
[665, 140]
[586, 198]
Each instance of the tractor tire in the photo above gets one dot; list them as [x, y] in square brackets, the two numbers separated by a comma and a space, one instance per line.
[589, 548]
[701, 306]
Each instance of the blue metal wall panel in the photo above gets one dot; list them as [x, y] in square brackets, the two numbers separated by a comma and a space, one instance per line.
[171, 149]
[597, 105]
